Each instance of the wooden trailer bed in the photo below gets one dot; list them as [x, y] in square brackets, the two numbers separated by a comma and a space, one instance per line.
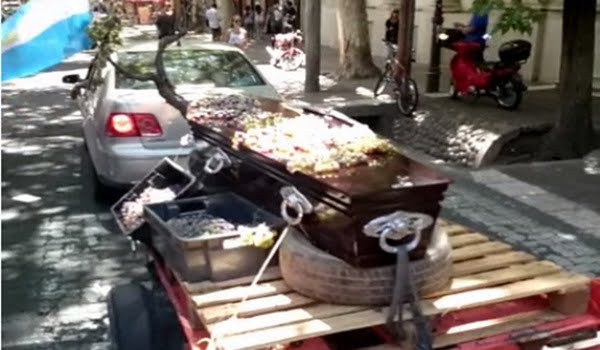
[508, 289]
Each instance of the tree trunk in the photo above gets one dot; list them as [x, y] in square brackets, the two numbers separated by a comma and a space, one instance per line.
[312, 23]
[356, 61]
[573, 134]
[226, 11]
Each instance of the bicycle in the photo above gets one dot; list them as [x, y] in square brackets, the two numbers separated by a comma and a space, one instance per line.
[406, 90]
[284, 51]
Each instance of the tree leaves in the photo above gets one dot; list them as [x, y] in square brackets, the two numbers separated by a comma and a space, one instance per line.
[514, 14]
[105, 33]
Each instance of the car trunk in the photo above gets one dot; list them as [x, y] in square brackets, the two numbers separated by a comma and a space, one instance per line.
[173, 125]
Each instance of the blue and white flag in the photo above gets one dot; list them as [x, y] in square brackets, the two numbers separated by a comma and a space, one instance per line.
[41, 34]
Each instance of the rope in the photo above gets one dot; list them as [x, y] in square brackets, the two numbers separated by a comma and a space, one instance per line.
[211, 342]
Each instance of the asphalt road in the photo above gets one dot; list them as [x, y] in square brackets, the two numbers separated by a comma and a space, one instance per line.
[60, 252]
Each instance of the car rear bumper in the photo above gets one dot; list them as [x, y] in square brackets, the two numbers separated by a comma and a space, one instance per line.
[123, 169]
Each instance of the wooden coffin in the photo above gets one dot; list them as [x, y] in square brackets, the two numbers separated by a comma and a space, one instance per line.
[344, 202]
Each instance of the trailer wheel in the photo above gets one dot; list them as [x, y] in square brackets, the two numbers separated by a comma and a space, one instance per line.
[130, 317]
[319, 275]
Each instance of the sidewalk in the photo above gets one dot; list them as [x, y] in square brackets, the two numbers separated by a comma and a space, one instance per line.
[524, 211]
[451, 131]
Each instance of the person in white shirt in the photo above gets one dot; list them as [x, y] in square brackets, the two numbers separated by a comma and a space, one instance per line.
[213, 18]
[237, 35]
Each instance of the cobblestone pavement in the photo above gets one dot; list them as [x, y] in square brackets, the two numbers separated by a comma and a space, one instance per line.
[60, 252]
[529, 218]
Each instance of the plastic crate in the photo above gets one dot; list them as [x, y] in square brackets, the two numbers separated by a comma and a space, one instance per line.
[165, 174]
[215, 257]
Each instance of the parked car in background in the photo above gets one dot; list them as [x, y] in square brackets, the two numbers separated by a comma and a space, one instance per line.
[127, 125]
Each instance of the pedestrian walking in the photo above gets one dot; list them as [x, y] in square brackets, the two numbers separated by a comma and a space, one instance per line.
[165, 22]
[290, 13]
[249, 20]
[214, 19]
[237, 35]
[259, 18]
[275, 19]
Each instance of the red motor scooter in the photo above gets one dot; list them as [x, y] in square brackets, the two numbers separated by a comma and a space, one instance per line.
[472, 77]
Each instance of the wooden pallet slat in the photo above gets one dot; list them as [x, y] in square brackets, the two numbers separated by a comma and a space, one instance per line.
[302, 330]
[454, 230]
[245, 325]
[478, 250]
[490, 262]
[509, 274]
[467, 239]
[270, 274]
[253, 307]
[487, 328]
[512, 291]
[237, 293]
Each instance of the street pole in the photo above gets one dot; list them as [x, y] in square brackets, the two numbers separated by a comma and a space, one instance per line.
[405, 36]
[312, 24]
[433, 75]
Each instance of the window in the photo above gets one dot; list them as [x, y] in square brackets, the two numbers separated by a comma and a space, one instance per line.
[221, 68]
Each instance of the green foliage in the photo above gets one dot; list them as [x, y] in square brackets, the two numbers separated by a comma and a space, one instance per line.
[515, 15]
[105, 33]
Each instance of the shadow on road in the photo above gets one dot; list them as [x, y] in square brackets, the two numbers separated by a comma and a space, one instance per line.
[60, 252]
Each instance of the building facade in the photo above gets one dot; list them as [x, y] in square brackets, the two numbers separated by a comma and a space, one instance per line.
[543, 66]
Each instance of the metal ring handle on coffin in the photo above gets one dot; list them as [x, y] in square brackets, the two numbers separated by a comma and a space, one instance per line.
[394, 249]
[397, 226]
[217, 162]
[295, 200]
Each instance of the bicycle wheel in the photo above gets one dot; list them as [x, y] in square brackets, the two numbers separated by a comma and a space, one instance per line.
[292, 59]
[382, 83]
[407, 97]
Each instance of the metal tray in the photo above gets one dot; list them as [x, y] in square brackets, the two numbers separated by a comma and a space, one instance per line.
[165, 174]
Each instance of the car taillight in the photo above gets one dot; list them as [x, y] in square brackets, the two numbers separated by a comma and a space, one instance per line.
[132, 125]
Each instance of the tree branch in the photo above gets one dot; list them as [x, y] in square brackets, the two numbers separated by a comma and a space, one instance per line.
[131, 75]
[166, 89]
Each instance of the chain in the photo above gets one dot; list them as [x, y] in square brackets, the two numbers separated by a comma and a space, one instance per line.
[398, 226]
[404, 287]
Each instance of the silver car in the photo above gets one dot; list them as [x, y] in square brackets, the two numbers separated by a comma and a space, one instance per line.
[128, 127]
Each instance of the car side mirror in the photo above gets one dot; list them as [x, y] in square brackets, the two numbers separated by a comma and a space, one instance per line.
[71, 79]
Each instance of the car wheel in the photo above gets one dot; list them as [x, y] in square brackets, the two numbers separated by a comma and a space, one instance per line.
[319, 275]
[89, 178]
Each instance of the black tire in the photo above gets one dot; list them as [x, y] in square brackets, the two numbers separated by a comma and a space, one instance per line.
[319, 275]
[382, 83]
[408, 104]
[509, 95]
[452, 92]
[129, 315]
[89, 178]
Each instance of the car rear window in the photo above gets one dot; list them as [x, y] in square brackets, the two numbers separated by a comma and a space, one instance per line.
[221, 68]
